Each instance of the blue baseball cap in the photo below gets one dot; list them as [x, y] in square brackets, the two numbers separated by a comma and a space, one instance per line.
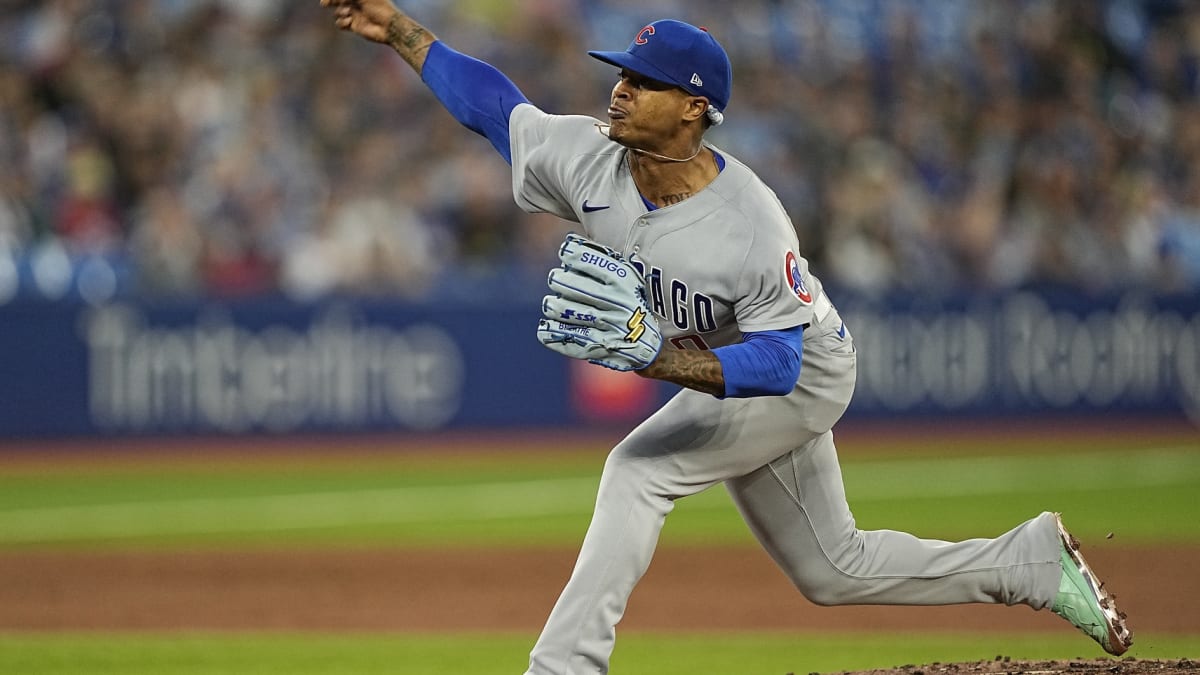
[681, 54]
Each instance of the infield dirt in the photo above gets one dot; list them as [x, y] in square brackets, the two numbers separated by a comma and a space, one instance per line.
[495, 589]
[701, 589]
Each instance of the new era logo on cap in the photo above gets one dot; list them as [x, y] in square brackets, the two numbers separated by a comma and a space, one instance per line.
[680, 54]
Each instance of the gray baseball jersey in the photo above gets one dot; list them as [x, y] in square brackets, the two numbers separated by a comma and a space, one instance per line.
[723, 262]
[564, 165]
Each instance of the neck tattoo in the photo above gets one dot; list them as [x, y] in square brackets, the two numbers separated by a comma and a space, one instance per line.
[668, 200]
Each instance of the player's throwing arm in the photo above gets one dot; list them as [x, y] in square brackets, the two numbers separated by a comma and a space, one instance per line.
[381, 21]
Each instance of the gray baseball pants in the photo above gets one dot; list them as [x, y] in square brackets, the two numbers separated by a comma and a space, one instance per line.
[777, 459]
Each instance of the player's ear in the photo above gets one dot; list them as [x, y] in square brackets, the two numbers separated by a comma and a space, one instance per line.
[695, 108]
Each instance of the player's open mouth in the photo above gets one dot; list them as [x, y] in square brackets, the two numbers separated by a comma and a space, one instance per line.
[616, 114]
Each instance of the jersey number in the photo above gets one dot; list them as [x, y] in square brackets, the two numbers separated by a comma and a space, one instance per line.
[692, 341]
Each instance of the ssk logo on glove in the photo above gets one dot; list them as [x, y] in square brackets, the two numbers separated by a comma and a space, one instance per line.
[578, 316]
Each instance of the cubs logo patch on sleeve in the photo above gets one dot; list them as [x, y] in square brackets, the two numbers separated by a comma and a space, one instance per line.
[795, 279]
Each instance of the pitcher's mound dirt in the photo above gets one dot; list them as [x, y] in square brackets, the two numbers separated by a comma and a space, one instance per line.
[1126, 666]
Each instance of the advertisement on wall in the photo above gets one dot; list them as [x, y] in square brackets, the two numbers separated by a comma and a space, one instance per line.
[279, 367]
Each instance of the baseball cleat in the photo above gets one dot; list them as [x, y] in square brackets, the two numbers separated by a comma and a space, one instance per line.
[1083, 601]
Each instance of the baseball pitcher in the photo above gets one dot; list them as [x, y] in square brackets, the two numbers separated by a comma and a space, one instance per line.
[687, 269]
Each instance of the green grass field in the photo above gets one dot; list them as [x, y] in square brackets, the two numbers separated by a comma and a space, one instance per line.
[418, 501]
[637, 654]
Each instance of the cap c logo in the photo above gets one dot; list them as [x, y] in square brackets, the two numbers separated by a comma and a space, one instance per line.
[643, 34]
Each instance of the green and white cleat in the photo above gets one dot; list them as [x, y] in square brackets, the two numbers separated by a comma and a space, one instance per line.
[1083, 601]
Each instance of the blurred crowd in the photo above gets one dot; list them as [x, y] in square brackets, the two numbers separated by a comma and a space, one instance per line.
[241, 147]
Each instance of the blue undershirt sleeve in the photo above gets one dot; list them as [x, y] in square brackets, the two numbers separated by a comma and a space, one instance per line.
[480, 97]
[766, 363]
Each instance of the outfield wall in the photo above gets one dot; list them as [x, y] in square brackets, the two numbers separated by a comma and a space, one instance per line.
[70, 369]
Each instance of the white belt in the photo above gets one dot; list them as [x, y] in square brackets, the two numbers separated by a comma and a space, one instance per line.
[821, 307]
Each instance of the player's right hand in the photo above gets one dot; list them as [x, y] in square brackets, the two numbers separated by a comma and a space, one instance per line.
[370, 19]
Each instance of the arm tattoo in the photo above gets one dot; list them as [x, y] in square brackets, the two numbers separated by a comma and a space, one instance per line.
[699, 370]
[410, 39]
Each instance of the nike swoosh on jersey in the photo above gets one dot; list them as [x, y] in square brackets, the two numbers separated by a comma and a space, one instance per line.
[588, 208]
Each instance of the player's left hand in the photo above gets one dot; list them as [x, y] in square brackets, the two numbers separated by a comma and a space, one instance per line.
[598, 310]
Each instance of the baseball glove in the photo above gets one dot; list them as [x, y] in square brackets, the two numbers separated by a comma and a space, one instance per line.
[597, 310]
